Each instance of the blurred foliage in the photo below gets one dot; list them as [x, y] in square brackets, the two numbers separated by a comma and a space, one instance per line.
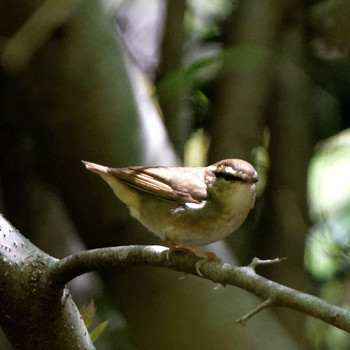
[186, 78]
[196, 149]
[327, 254]
[204, 18]
[329, 192]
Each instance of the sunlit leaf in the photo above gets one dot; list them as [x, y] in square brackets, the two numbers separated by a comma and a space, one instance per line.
[96, 332]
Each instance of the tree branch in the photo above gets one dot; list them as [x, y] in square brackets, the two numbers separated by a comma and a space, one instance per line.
[243, 277]
[265, 304]
[19, 50]
[32, 314]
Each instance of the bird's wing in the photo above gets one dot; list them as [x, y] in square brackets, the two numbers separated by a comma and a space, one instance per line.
[184, 185]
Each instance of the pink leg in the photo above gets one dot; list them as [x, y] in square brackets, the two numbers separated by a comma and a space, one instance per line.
[201, 253]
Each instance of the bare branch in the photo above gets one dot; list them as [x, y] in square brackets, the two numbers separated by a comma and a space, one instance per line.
[256, 262]
[265, 304]
[243, 277]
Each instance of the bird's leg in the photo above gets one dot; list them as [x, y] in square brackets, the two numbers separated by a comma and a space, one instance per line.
[201, 253]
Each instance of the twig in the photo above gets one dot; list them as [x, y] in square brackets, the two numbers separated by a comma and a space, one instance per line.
[256, 262]
[265, 304]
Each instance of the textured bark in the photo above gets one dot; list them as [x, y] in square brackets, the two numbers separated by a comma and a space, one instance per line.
[33, 314]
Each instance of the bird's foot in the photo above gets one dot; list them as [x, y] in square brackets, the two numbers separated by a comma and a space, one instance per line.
[199, 252]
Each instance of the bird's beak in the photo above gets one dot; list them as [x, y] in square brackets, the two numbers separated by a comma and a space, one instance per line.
[96, 168]
[253, 178]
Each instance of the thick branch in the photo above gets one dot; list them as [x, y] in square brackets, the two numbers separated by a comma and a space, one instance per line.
[32, 314]
[243, 277]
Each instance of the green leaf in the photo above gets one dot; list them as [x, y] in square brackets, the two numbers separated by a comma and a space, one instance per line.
[96, 332]
[88, 313]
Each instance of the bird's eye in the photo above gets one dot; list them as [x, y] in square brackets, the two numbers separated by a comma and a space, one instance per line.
[228, 176]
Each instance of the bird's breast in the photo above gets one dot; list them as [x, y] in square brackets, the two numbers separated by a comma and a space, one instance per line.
[197, 224]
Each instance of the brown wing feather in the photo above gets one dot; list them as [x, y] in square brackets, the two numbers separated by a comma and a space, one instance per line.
[165, 182]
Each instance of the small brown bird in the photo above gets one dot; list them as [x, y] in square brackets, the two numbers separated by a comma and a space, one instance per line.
[186, 206]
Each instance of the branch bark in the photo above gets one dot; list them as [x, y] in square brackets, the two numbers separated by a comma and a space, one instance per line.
[245, 277]
[33, 315]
